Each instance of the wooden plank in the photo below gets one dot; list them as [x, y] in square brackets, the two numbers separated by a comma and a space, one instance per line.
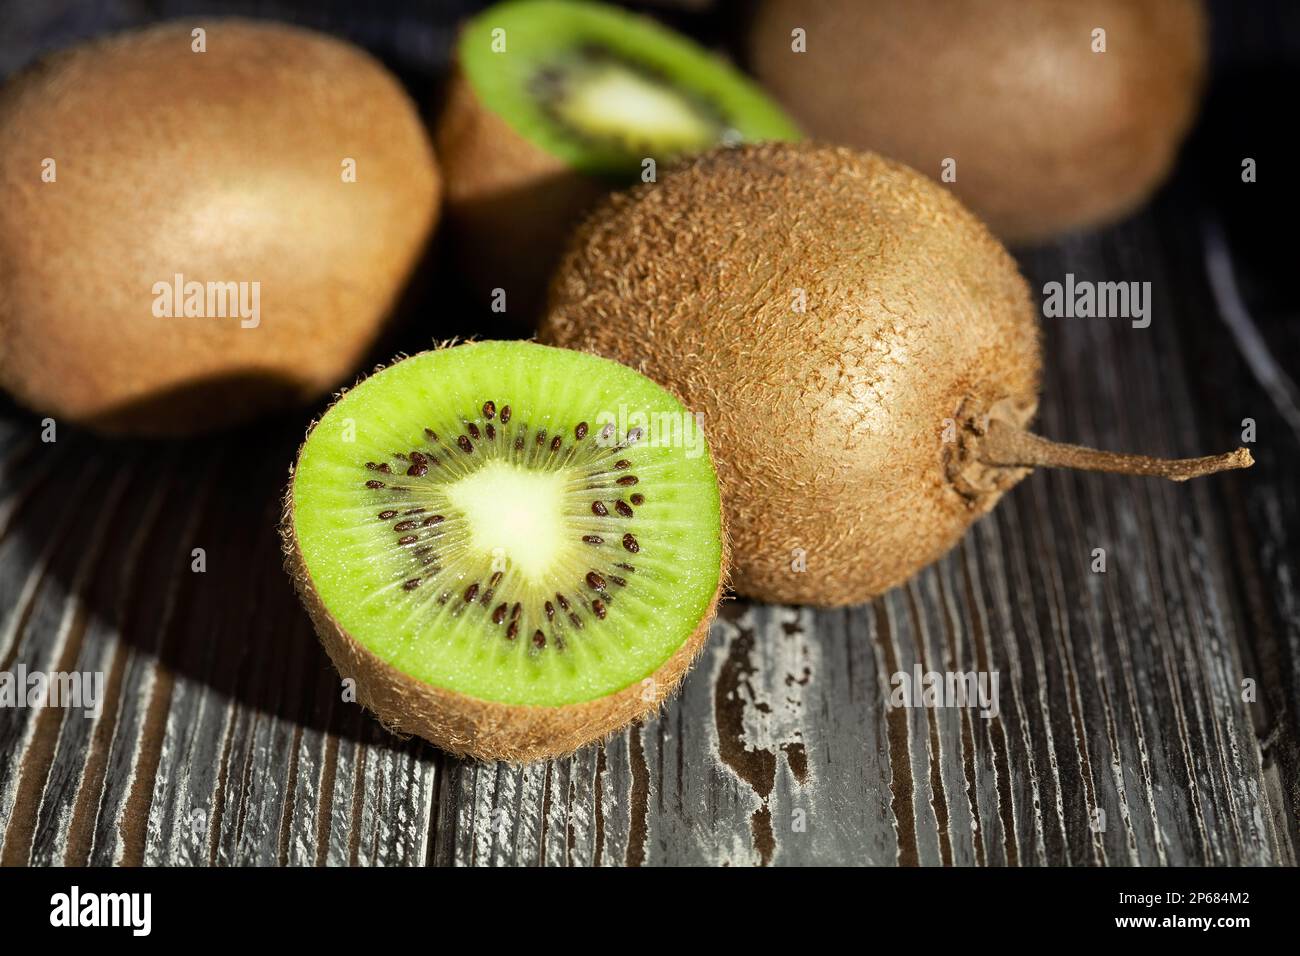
[225, 739]
[46, 624]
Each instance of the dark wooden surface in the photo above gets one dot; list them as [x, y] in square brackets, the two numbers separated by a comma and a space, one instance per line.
[224, 739]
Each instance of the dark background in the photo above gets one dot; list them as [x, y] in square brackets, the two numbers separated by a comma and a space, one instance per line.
[1121, 691]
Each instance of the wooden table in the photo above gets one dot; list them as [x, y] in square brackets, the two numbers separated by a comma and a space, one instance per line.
[224, 739]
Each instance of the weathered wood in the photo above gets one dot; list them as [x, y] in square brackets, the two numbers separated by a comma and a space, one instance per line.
[225, 740]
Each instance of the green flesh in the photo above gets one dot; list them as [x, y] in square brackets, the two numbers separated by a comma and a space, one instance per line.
[603, 89]
[522, 513]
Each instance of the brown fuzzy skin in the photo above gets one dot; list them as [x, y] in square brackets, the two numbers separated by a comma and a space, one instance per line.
[827, 426]
[510, 204]
[224, 166]
[1048, 136]
[484, 729]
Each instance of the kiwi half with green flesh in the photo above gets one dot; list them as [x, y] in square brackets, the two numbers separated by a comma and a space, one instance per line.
[866, 355]
[550, 104]
[1048, 134]
[133, 160]
[512, 549]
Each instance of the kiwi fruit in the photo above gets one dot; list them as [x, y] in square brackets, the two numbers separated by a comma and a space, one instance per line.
[512, 549]
[137, 159]
[865, 353]
[1047, 135]
[550, 104]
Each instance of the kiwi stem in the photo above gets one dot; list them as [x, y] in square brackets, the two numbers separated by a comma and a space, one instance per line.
[1005, 444]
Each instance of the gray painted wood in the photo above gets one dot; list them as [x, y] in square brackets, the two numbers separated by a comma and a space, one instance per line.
[224, 739]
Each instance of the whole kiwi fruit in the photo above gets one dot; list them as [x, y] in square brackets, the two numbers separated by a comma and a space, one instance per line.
[864, 352]
[136, 159]
[1047, 134]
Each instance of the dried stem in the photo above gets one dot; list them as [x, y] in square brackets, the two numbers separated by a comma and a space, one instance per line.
[1005, 444]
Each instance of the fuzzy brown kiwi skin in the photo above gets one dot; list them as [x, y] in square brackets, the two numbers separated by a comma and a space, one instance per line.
[1048, 136]
[155, 178]
[509, 203]
[469, 726]
[827, 426]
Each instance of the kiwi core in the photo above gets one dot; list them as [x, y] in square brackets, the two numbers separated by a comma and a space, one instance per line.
[516, 517]
[615, 103]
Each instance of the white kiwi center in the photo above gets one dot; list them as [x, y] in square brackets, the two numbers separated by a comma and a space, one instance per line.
[614, 101]
[516, 516]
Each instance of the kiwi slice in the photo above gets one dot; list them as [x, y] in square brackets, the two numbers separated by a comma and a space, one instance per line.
[550, 105]
[513, 549]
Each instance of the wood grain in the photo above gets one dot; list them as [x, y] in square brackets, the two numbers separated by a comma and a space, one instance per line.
[224, 739]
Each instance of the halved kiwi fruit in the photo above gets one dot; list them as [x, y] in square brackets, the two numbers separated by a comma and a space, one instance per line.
[512, 549]
[866, 353]
[551, 103]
